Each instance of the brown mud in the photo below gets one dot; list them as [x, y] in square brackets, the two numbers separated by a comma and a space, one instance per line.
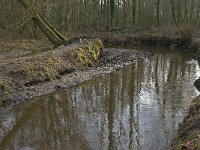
[17, 73]
[82, 59]
[188, 136]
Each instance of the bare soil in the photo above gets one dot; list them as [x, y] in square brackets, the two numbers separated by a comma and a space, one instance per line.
[18, 73]
[110, 60]
[24, 77]
[188, 137]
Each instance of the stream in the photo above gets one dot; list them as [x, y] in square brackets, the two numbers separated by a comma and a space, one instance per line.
[138, 107]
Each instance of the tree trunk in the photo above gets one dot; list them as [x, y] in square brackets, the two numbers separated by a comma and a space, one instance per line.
[158, 13]
[112, 9]
[186, 12]
[52, 34]
[133, 12]
[125, 13]
[174, 13]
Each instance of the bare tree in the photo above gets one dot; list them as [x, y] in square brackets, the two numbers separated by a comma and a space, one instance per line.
[173, 12]
[52, 34]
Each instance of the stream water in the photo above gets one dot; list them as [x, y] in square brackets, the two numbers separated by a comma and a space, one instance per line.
[138, 108]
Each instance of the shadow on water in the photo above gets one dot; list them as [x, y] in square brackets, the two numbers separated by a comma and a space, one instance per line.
[138, 107]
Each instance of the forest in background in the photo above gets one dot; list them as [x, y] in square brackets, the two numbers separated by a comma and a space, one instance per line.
[79, 15]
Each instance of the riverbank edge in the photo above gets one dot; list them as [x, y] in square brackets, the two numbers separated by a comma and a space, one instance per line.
[16, 75]
[185, 44]
[188, 134]
[86, 59]
[110, 60]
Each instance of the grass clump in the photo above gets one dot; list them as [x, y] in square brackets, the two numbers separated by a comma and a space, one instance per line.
[40, 69]
[89, 53]
[6, 86]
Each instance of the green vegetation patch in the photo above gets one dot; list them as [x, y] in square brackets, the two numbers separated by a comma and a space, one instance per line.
[6, 87]
[88, 53]
[44, 68]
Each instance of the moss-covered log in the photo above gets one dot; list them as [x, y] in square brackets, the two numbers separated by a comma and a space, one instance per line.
[52, 34]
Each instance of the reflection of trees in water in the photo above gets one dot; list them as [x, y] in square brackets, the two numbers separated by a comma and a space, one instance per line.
[108, 113]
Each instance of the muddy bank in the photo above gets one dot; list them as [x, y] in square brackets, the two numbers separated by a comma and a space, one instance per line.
[15, 74]
[185, 44]
[188, 136]
[58, 69]
[25, 74]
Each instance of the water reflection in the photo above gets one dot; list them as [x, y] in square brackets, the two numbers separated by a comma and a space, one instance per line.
[138, 107]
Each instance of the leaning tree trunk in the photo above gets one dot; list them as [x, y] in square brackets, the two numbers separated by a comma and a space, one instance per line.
[52, 34]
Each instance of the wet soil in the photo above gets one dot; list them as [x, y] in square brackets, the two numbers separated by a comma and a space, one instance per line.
[110, 60]
[188, 136]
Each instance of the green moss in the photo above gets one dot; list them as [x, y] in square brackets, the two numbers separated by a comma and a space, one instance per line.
[40, 69]
[89, 53]
[41, 72]
[82, 56]
[92, 52]
[6, 86]
[98, 45]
